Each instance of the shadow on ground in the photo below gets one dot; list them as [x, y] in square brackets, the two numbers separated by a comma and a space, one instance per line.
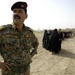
[65, 53]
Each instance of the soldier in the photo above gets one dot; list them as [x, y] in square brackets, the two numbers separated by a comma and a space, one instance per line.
[18, 43]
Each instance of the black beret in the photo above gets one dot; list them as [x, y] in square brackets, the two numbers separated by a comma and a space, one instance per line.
[22, 5]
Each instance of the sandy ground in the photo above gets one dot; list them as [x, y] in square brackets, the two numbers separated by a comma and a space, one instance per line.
[44, 63]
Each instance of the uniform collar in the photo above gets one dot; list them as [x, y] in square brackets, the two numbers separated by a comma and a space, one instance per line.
[15, 28]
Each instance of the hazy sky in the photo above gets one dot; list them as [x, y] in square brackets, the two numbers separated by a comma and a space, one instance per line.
[42, 14]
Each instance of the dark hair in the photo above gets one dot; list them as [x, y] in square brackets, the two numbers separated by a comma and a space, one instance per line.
[25, 11]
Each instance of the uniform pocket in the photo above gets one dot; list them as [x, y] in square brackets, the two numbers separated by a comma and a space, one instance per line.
[9, 42]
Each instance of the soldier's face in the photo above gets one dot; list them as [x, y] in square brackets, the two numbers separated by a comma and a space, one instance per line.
[19, 16]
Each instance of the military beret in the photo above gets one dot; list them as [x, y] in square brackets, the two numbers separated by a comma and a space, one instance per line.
[22, 5]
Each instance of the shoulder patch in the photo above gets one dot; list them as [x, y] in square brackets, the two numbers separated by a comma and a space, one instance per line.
[1, 27]
[29, 29]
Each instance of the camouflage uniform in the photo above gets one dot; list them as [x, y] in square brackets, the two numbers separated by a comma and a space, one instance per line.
[16, 47]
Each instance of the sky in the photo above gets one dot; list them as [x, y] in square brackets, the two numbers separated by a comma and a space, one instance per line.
[42, 14]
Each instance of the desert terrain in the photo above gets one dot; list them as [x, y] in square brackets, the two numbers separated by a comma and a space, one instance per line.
[44, 63]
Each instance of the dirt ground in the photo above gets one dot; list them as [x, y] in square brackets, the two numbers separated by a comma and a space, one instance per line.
[44, 63]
